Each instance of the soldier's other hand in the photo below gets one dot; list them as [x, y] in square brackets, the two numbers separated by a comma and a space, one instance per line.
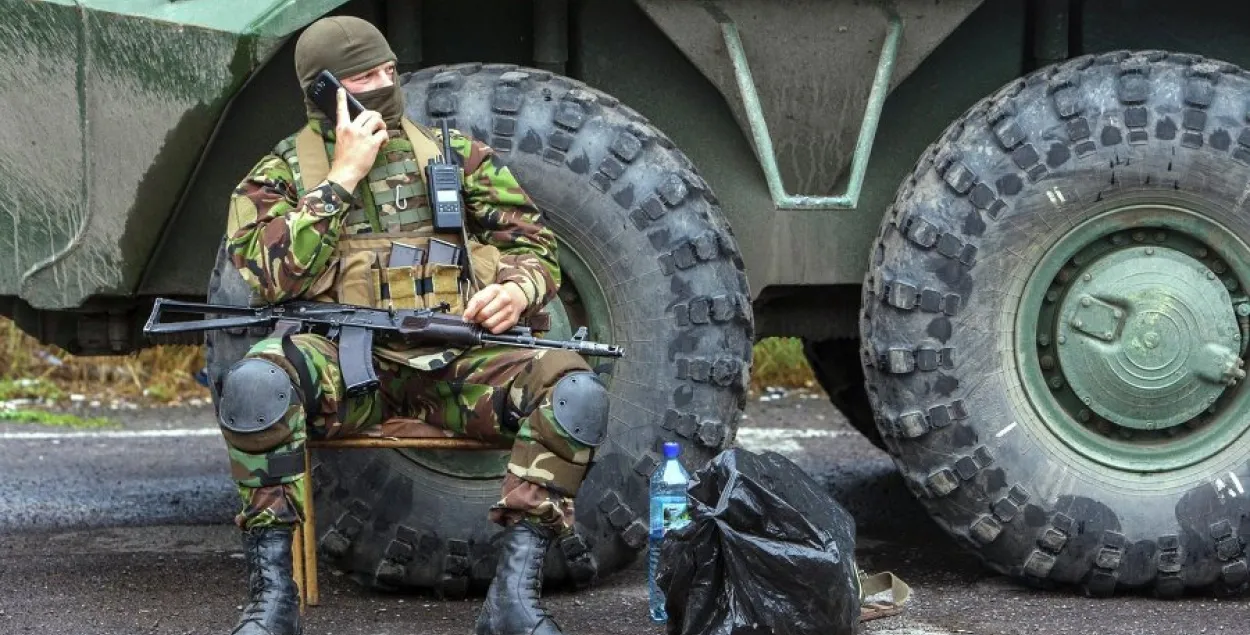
[497, 307]
[356, 144]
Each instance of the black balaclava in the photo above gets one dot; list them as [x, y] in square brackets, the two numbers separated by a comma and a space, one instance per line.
[345, 45]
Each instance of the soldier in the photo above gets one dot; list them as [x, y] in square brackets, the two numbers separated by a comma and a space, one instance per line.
[316, 219]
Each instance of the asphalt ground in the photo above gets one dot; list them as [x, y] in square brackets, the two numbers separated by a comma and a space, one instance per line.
[127, 532]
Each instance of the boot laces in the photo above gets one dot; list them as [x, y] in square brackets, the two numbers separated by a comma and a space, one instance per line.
[265, 585]
[255, 577]
[535, 583]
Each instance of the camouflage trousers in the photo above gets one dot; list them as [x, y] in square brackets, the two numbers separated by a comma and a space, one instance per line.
[493, 393]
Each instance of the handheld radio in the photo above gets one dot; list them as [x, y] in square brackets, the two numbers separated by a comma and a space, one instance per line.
[443, 179]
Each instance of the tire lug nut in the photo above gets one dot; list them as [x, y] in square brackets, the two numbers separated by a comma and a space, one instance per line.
[1083, 415]
[1150, 251]
[1043, 340]
[1160, 237]
[1056, 382]
[1139, 236]
[1087, 277]
[1086, 301]
[1048, 362]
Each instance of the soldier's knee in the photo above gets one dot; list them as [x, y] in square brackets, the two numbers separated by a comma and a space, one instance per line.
[256, 398]
[579, 405]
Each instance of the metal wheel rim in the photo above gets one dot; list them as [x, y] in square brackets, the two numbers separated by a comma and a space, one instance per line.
[1138, 453]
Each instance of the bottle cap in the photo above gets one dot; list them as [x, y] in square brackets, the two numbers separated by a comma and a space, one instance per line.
[671, 449]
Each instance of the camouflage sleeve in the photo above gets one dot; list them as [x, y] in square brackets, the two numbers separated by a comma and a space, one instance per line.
[507, 218]
[278, 242]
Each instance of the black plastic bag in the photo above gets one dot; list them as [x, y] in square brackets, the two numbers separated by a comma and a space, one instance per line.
[766, 551]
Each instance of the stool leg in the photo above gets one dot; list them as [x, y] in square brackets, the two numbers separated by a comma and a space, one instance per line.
[297, 563]
[309, 530]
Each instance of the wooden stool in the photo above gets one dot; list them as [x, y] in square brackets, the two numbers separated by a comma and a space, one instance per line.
[304, 543]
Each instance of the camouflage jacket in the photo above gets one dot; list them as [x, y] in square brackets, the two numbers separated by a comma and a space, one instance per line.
[281, 242]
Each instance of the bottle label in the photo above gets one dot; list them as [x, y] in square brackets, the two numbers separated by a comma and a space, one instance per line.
[675, 514]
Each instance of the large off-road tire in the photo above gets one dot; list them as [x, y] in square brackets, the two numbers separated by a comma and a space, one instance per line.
[648, 262]
[1052, 303]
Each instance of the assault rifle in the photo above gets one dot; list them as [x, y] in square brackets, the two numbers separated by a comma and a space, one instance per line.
[354, 327]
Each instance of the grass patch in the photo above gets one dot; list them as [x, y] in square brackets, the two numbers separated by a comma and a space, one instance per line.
[779, 361]
[165, 374]
[28, 388]
[43, 417]
[158, 375]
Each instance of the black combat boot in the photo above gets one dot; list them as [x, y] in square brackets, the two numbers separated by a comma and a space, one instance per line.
[511, 606]
[273, 599]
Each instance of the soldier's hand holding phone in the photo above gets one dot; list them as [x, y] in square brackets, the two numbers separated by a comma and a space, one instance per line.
[356, 143]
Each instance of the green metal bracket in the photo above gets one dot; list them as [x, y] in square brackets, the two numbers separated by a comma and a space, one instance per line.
[764, 142]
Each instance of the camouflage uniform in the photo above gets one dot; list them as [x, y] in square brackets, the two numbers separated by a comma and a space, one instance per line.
[282, 241]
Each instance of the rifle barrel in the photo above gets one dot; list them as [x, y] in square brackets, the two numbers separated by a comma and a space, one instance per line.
[584, 348]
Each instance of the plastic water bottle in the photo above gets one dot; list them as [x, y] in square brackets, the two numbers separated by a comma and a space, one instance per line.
[669, 510]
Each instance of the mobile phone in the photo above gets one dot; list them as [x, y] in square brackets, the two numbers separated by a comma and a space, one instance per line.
[324, 92]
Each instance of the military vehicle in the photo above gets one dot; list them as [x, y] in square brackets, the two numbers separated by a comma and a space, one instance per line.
[1011, 233]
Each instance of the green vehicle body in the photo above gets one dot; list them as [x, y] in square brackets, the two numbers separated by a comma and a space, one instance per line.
[135, 117]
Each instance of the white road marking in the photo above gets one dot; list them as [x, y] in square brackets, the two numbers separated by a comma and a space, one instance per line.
[764, 434]
[1237, 483]
[784, 440]
[110, 434]
[916, 628]
[1000, 433]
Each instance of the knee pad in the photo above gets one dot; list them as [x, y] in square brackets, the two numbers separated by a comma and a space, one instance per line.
[255, 395]
[580, 405]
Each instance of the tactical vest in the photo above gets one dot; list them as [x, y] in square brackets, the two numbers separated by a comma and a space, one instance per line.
[386, 212]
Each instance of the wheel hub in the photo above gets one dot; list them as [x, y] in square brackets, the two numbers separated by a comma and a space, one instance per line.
[1130, 332]
[1148, 337]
